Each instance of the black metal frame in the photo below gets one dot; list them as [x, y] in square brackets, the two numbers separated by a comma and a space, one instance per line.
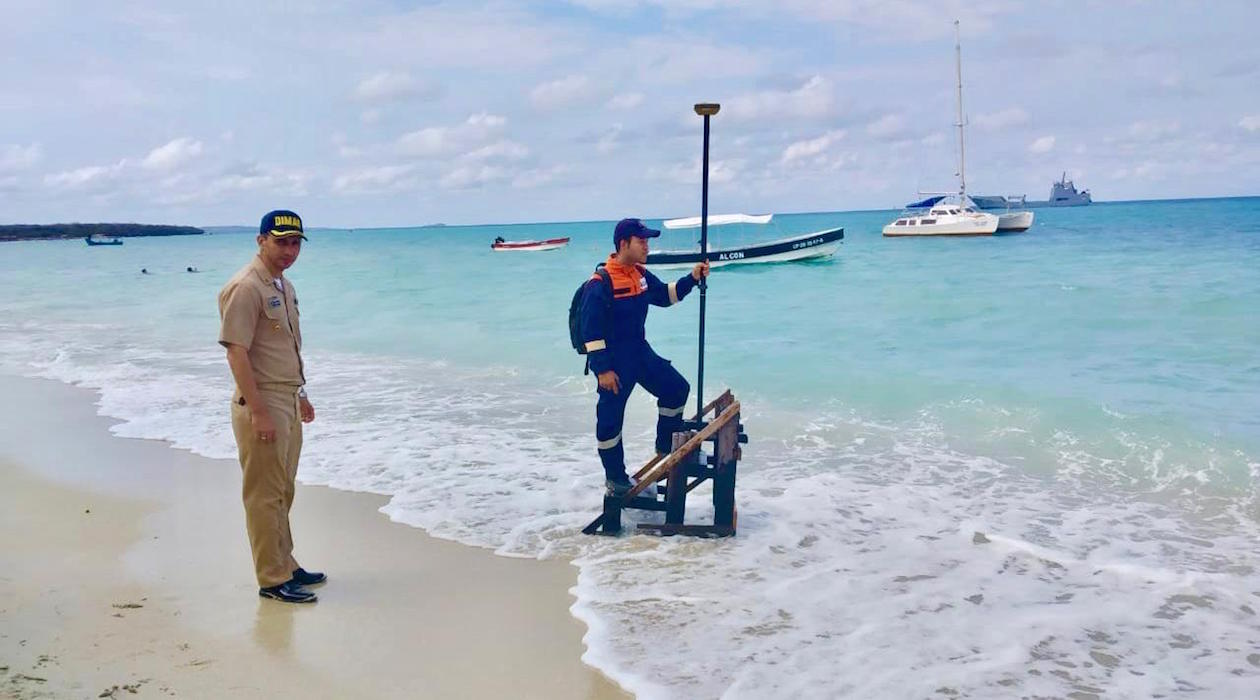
[683, 470]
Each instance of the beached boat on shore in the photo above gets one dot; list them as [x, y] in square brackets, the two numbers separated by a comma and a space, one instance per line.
[501, 246]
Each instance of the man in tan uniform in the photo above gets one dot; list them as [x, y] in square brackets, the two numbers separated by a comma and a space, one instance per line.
[259, 312]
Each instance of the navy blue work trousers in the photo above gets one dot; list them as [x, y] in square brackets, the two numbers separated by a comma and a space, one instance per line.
[661, 380]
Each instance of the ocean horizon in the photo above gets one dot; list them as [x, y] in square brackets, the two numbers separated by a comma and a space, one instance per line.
[1103, 202]
[1022, 465]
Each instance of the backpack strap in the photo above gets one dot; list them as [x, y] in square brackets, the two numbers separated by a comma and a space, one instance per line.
[605, 275]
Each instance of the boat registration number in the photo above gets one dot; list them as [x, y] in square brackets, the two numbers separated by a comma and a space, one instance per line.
[806, 244]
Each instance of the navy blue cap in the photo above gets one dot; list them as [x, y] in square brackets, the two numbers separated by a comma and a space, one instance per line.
[281, 223]
[632, 227]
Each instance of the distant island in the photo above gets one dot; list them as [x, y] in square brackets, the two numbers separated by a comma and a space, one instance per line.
[32, 232]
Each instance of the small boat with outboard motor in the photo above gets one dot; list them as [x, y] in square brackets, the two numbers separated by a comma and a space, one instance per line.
[501, 246]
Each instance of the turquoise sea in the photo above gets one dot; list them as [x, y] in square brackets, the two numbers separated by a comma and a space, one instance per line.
[1025, 465]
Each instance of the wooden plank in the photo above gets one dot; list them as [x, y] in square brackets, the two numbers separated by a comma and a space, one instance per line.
[725, 448]
[725, 398]
[690, 446]
[675, 486]
[655, 468]
[727, 442]
[651, 463]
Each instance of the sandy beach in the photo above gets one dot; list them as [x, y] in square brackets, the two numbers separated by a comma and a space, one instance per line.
[126, 573]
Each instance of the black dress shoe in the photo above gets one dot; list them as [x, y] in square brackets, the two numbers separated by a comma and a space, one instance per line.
[302, 577]
[288, 592]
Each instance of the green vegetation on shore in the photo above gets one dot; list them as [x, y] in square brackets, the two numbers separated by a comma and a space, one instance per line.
[30, 232]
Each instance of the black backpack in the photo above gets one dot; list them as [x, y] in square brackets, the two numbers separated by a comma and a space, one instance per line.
[575, 312]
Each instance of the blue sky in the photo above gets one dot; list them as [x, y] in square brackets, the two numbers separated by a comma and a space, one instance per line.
[377, 113]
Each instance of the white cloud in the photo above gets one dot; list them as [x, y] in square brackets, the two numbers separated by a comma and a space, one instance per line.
[485, 120]
[430, 141]
[689, 173]
[228, 73]
[1145, 170]
[690, 60]
[887, 126]
[436, 141]
[18, 157]
[382, 178]
[250, 179]
[505, 150]
[610, 140]
[1153, 130]
[173, 154]
[811, 100]
[539, 177]
[901, 20]
[1002, 120]
[628, 100]
[438, 36]
[113, 92]
[387, 86]
[783, 88]
[90, 175]
[811, 148]
[1042, 145]
[470, 176]
[560, 93]
[256, 178]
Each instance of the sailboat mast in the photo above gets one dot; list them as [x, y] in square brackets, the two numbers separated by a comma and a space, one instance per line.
[962, 151]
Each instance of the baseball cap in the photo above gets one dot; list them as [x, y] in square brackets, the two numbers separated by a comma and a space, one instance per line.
[632, 227]
[281, 223]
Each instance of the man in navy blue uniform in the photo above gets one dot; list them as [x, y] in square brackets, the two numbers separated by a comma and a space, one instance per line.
[612, 318]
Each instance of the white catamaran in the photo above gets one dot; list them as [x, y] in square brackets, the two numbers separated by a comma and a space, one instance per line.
[955, 214]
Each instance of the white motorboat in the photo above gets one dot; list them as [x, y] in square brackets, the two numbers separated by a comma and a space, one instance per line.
[943, 215]
[499, 245]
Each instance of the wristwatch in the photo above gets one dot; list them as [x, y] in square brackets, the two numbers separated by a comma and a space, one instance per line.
[301, 392]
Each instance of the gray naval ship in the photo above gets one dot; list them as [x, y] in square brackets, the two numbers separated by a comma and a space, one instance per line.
[1062, 194]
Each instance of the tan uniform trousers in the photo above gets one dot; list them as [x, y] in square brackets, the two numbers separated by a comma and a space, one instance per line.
[269, 471]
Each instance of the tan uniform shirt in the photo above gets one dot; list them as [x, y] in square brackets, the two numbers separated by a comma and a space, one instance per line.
[263, 319]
